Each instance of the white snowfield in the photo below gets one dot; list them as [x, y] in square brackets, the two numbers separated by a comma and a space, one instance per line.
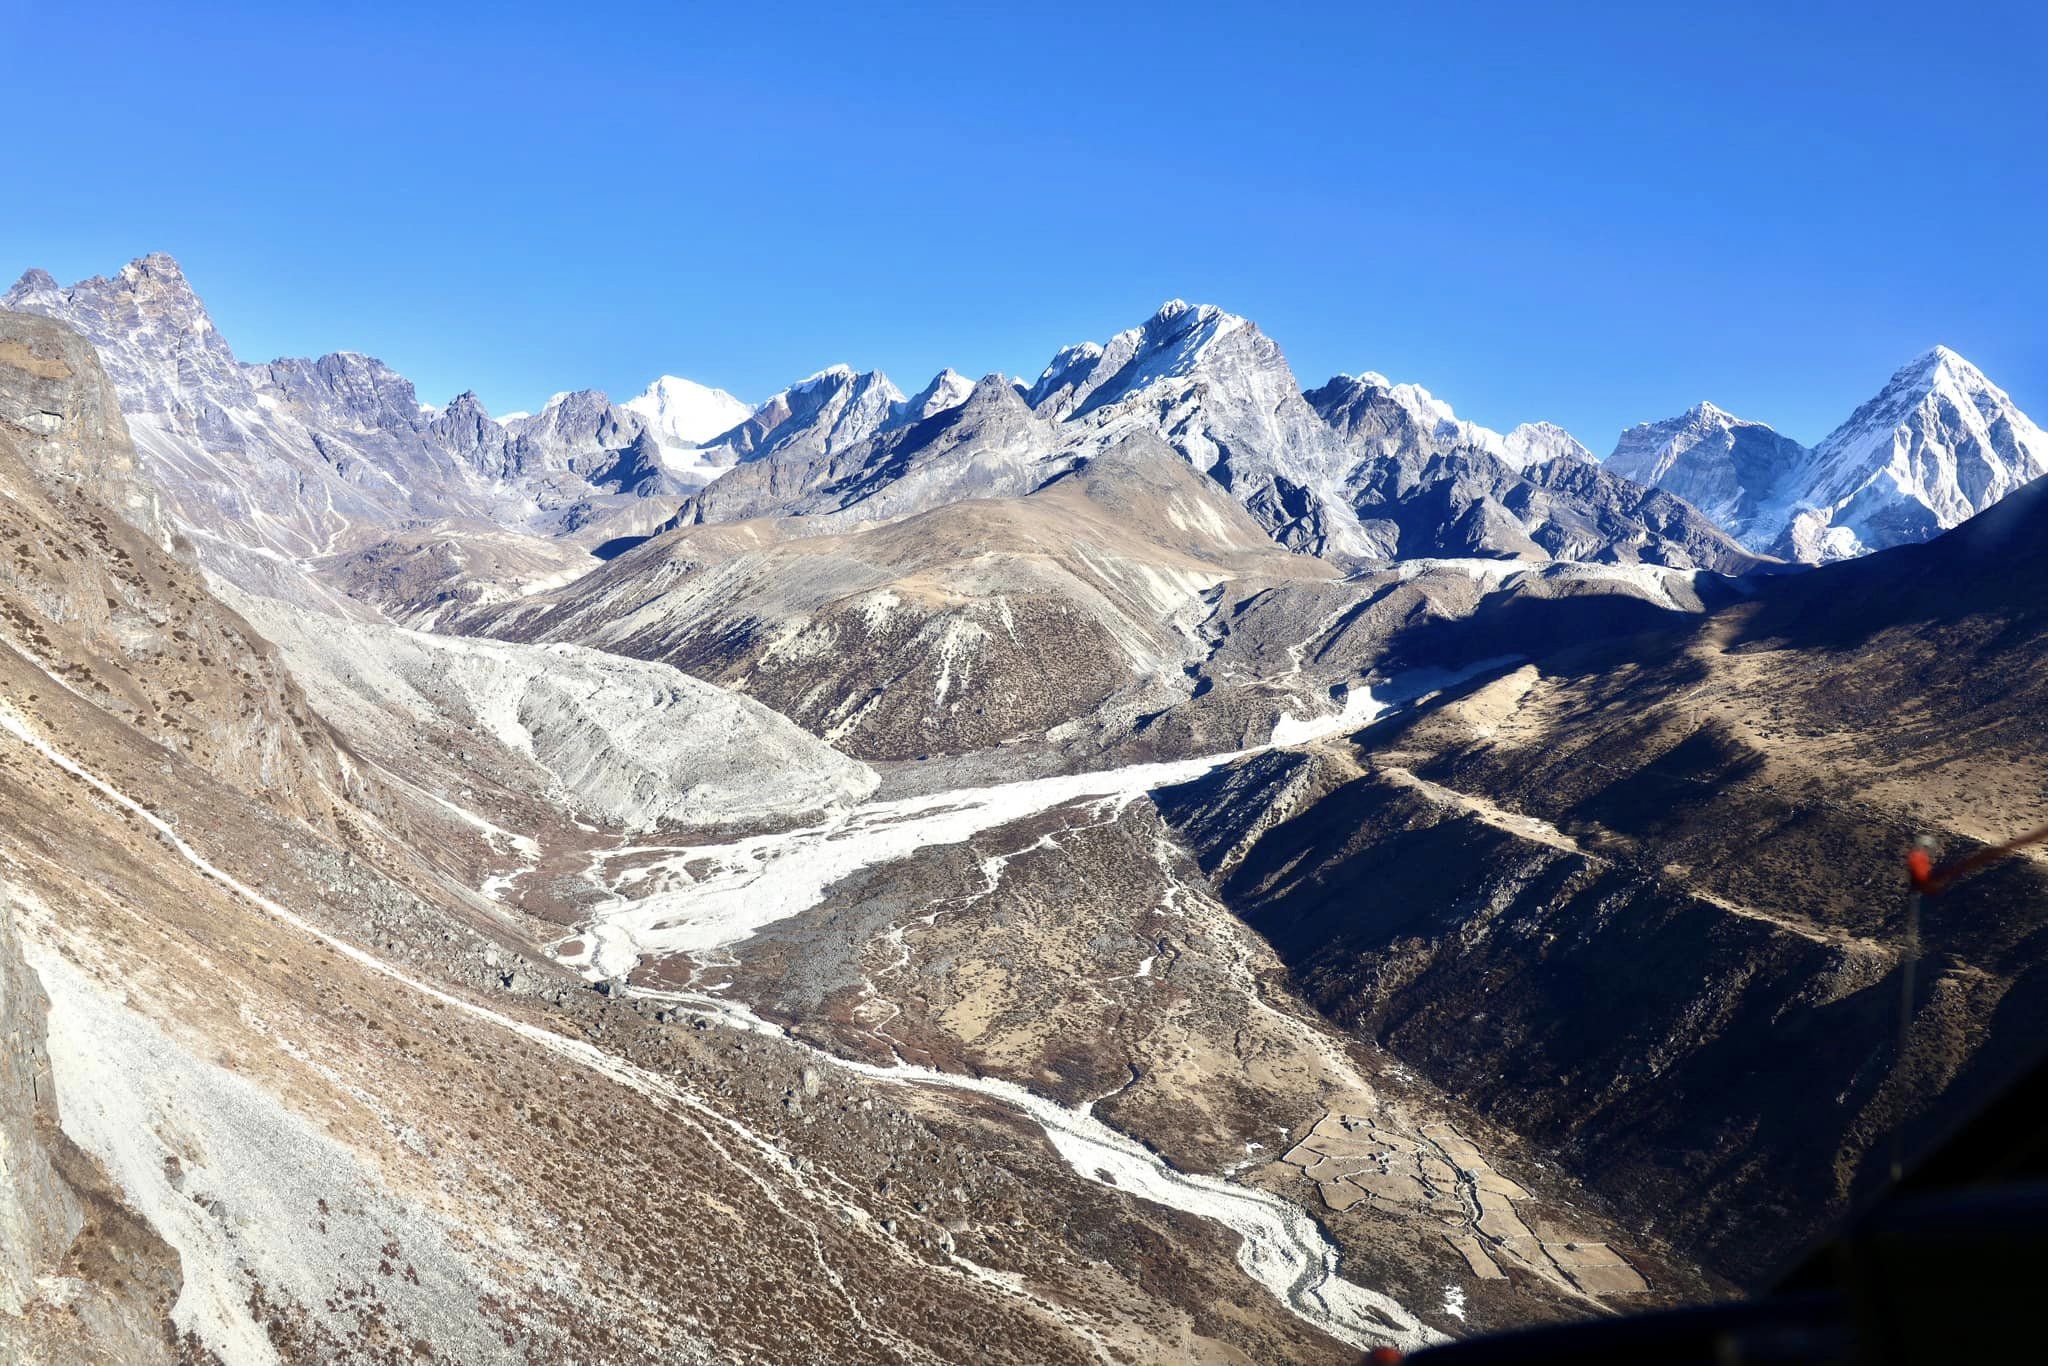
[1363, 705]
[1281, 1247]
[630, 742]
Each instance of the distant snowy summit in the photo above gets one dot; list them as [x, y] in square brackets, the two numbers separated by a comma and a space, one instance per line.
[1939, 444]
[683, 414]
[1723, 465]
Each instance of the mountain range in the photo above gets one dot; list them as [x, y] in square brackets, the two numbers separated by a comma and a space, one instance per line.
[1937, 445]
[1152, 862]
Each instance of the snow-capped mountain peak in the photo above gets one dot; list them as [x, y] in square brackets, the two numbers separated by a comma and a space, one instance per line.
[830, 374]
[1532, 443]
[1724, 465]
[1176, 343]
[682, 413]
[822, 413]
[1937, 445]
[947, 389]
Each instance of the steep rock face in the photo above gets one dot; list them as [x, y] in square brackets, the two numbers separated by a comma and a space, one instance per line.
[67, 418]
[1318, 471]
[1466, 502]
[1218, 390]
[156, 341]
[1382, 418]
[1534, 443]
[236, 473]
[815, 417]
[115, 616]
[82, 1277]
[267, 465]
[947, 389]
[1426, 482]
[1587, 513]
[1722, 464]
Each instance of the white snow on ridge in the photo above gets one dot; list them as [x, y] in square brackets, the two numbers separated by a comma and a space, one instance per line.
[1528, 444]
[1364, 704]
[1653, 581]
[1937, 445]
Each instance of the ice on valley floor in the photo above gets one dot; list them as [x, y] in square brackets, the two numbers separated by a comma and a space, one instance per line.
[662, 907]
[699, 899]
[1280, 1245]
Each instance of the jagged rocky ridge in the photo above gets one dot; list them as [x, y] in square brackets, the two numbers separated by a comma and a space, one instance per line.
[264, 466]
[1355, 470]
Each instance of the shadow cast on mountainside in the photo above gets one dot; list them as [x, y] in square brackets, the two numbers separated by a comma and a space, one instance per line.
[1530, 628]
[1993, 566]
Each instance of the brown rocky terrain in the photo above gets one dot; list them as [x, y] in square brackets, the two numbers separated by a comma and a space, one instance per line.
[1642, 901]
[320, 1099]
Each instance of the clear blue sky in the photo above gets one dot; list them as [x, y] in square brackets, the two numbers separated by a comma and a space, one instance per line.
[1593, 214]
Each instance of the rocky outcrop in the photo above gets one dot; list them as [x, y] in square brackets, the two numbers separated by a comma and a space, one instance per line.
[987, 445]
[1380, 417]
[1467, 502]
[67, 415]
[82, 1276]
[265, 466]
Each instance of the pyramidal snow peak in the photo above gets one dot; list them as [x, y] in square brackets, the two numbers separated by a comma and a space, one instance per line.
[1936, 446]
[948, 389]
